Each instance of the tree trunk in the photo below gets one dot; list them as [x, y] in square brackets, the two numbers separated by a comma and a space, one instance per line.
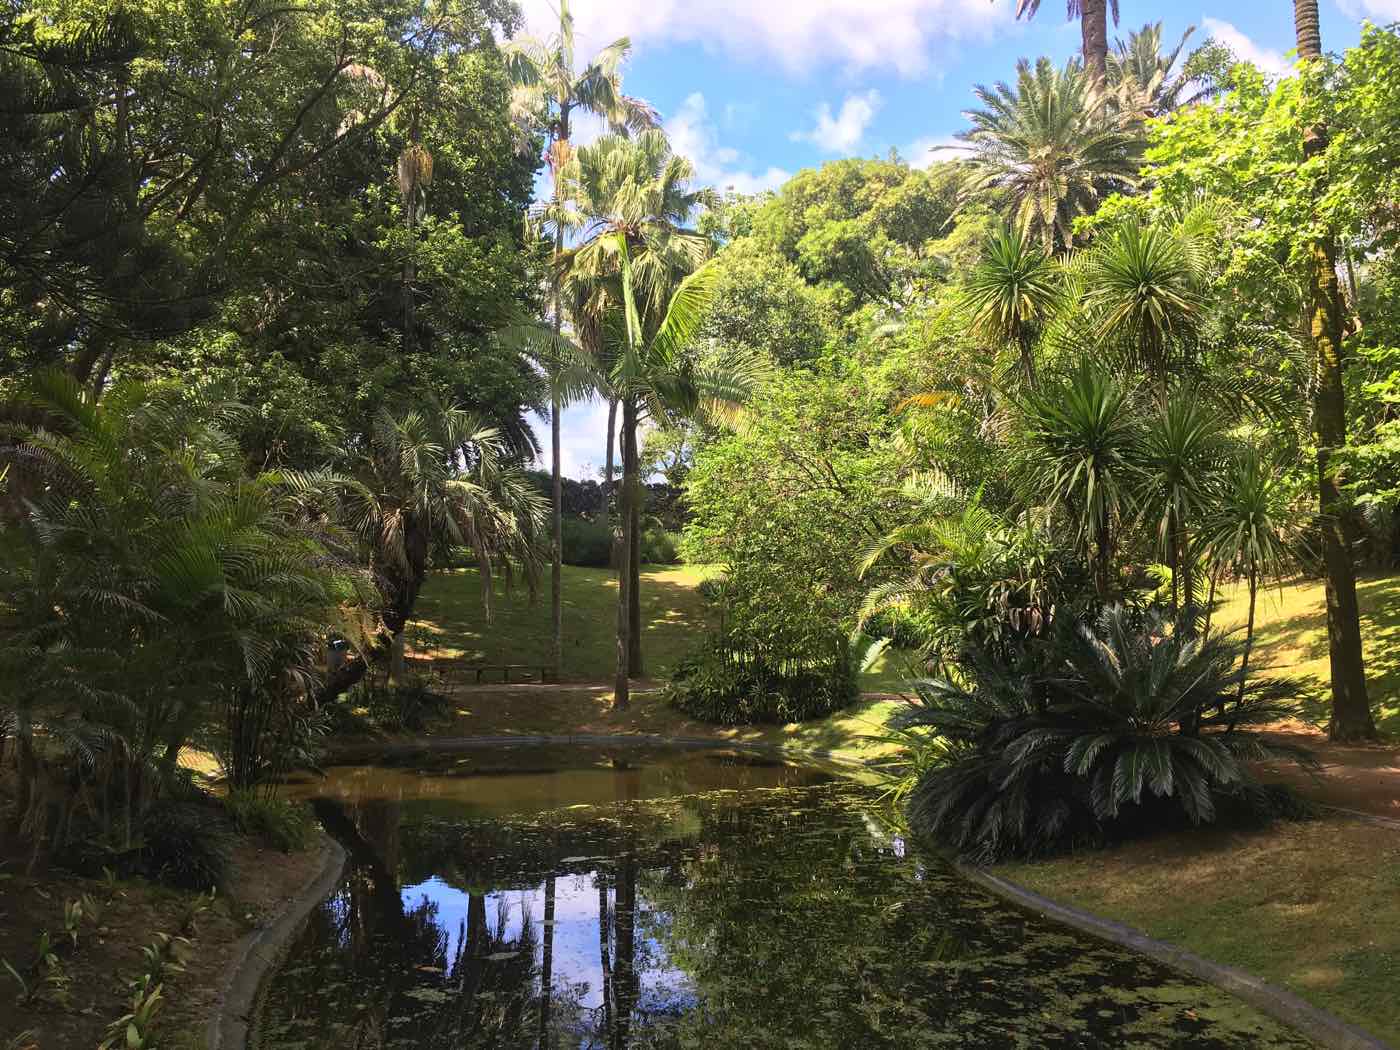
[1249, 629]
[634, 593]
[556, 570]
[621, 692]
[1093, 29]
[547, 965]
[1351, 709]
[396, 659]
[1210, 603]
[608, 513]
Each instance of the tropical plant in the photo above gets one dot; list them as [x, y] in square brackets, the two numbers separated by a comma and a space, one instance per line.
[1052, 147]
[1125, 724]
[1251, 528]
[428, 482]
[1012, 289]
[1179, 451]
[1147, 82]
[547, 90]
[1077, 442]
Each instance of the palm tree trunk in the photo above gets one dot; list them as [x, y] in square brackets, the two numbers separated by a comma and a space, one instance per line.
[396, 658]
[608, 515]
[547, 965]
[556, 568]
[621, 692]
[1210, 603]
[634, 593]
[1351, 709]
[1093, 30]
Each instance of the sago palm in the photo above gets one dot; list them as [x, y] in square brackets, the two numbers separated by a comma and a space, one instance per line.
[547, 90]
[1052, 146]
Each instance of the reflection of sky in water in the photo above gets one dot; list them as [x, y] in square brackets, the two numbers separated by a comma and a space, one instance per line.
[576, 951]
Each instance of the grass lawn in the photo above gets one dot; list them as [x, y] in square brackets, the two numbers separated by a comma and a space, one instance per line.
[1312, 906]
[452, 625]
[1291, 633]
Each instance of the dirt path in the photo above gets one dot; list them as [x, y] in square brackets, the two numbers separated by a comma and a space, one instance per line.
[1363, 777]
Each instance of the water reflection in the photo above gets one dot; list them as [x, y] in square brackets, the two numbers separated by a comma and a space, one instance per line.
[670, 909]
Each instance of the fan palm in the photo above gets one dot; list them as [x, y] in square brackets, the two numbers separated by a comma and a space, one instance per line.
[1052, 146]
[1077, 447]
[1010, 291]
[547, 90]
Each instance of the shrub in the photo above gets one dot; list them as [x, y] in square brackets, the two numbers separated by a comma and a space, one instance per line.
[732, 686]
[391, 708]
[186, 844]
[283, 825]
[1129, 725]
[660, 547]
[587, 542]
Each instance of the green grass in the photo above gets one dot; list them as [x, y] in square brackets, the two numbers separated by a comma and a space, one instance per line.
[1291, 639]
[1313, 906]
[451, 624]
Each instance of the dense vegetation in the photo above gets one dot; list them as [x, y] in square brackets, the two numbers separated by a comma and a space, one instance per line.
[278, 302]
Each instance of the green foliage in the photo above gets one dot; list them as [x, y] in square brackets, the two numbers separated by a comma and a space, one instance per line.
[1122, 727]
[286, 826]
[186, 845]
[727, 685]
[587, 542]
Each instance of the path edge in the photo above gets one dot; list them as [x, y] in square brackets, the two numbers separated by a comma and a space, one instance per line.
[1323, 1027]
[260, 950]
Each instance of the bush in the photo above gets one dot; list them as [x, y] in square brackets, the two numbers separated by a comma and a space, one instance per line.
[283, 825]
[660, 547]
[1099, 732]
[186, 844]
[390, 708]
[587, 542]
[729, 687]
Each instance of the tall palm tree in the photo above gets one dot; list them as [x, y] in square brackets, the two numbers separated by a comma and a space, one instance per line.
[548, 89]
[1351, 709]
[1053, 146]
[1078, 443]
[1093, 29]
[1011, 291]
[640, 191]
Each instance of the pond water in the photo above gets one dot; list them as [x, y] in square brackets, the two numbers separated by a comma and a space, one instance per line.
[685, 899]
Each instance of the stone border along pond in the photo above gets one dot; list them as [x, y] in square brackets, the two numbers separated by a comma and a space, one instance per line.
[263, 949]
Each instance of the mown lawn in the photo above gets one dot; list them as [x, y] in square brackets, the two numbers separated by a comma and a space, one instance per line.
[1291, 634]
[1311, 906]
[452, 625]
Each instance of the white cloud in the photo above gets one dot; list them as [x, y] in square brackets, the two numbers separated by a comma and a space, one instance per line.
[800, 35]
[1385, 10]
[842, 133]
[925, 152]
[1245, 49]
[693, 135]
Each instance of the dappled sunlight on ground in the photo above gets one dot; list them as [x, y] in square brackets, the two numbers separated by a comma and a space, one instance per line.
[1291, 639]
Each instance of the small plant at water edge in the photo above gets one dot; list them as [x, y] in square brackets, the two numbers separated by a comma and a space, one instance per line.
[135, 1030]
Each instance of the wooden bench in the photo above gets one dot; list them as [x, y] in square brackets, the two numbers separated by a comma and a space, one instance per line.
[523, 672]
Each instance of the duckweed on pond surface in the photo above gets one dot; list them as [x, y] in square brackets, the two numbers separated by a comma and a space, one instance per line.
[686, 900]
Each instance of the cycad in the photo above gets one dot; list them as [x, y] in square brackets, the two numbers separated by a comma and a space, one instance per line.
[1124, 723]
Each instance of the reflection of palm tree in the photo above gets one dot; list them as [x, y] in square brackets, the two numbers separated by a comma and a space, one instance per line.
[547, 965]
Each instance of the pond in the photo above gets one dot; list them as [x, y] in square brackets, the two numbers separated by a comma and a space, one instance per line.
[625, 899]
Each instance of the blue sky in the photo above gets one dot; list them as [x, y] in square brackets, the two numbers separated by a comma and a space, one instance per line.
[755, 90]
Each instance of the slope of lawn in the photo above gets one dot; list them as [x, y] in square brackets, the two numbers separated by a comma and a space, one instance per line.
[1291, 639]
[452, 625]
[1312, 906]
